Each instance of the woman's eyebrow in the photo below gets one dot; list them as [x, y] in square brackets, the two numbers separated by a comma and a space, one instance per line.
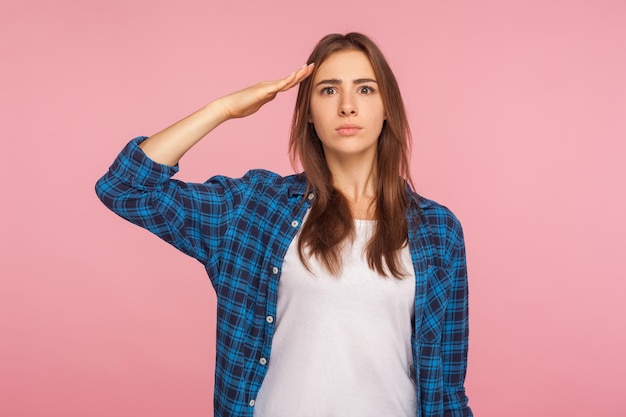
[365, 80]
[335, 81]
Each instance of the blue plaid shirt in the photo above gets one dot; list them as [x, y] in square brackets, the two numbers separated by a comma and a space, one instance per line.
[240, 230]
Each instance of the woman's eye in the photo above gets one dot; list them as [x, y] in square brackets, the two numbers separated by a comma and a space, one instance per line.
[327, 91]
[366, 90]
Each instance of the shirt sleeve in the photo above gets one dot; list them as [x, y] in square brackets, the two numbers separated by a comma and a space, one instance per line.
[188, 216]
[455, 336]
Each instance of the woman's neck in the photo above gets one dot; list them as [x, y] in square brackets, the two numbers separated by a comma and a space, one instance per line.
[357, 181]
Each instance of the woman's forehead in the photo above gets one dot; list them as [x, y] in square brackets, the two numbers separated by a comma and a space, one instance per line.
[345, 66]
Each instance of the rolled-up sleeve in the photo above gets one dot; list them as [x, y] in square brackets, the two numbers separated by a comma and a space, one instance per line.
[133, 167]
[186, 215]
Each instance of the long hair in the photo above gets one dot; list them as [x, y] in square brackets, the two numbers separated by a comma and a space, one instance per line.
[330, 221]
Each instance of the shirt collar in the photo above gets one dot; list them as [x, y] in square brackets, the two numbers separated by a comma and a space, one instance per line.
[297, 187]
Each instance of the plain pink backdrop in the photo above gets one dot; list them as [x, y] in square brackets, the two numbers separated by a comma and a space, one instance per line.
[518, 112]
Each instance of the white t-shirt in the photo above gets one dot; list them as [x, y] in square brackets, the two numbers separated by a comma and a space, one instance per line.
[342, 345]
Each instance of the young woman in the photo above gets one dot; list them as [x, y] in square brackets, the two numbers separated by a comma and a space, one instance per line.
[341, 292]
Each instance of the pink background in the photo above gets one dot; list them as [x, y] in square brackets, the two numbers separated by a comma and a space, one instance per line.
[518, 111]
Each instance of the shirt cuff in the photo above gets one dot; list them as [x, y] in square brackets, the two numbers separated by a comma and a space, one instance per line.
[133, 167]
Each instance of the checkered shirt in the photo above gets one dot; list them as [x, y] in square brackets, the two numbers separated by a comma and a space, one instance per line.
[240, 229]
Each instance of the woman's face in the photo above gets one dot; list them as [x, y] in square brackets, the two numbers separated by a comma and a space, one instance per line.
[346, 107]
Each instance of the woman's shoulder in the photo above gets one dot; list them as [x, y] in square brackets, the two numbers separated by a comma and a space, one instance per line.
[262, 179]
[428, 205]
[435, 214]
[259, 175]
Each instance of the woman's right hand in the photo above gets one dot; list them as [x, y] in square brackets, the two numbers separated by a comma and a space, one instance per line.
[247, 101]
[171, 143]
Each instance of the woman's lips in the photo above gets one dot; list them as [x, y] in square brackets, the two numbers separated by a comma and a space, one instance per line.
[348, 130]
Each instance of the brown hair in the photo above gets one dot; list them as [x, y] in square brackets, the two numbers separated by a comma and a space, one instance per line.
[330, 220]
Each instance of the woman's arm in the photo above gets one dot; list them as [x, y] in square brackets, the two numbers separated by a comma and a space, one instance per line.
[456, 331]
[138, 185]
[170, 144]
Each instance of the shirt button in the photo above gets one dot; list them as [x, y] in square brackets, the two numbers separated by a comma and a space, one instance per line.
[295, 223]
[275, 270]
[251, 403]
[269, 319]
[311, 196]
[262, 361]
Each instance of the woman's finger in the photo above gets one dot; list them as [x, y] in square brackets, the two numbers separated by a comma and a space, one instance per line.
[297, 77]
[279, 85]
[292, 79]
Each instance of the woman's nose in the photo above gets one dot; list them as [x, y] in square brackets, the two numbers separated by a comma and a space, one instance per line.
[347, 107]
